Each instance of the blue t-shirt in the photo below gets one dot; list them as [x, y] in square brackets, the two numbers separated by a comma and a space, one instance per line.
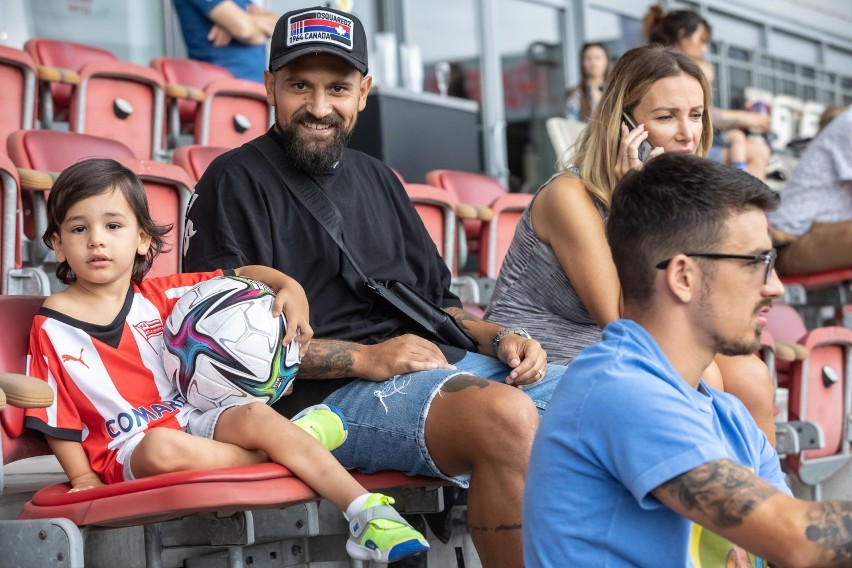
[243, 61]
[621, 423]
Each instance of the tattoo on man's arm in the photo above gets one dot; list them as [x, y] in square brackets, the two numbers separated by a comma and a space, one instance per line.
[497, 529]
[722, 490]
[462, 316]
[830, 528]
[327, 359]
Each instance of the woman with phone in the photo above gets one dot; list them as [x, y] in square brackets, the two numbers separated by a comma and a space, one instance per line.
[558, 280]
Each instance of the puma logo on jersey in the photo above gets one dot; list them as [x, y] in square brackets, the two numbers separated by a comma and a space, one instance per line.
[66, 358]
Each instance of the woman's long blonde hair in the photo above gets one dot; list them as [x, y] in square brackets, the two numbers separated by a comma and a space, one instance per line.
[598, 146]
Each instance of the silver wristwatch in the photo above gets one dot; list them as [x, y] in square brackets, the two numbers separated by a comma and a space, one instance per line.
[495, 341]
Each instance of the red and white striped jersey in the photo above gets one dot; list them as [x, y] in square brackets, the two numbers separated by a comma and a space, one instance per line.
[109, 380]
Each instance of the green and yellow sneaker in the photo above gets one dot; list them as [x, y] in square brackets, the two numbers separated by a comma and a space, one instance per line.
[325, 423]
[379, 534]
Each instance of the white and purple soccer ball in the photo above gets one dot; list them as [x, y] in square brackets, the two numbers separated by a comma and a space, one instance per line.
[223, 347]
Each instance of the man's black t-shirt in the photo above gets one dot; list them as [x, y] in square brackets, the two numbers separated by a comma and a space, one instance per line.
[241, 214]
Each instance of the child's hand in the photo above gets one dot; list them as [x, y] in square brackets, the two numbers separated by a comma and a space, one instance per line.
[292, 301]
[83, 482]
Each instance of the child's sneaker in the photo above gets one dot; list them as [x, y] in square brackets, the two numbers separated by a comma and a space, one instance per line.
[379, 534]
[325, 423]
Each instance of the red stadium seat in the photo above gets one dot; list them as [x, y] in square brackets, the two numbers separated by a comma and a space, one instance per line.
[19, 92]
[101, 95]
[437, 210]
[208, 102]
[474, 189]
[195, 159]
[820, 393]
[16, 278]
[497, 233]
[59, 62]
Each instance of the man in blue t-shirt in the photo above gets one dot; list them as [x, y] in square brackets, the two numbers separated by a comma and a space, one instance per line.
[230, 33]
[637, 462]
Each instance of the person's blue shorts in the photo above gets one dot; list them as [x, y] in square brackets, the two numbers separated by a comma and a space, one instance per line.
[387, 420]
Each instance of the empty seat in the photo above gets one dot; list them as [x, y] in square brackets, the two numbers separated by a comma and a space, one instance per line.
[785, 120]
[498, 232]
[59, 61]
[208, 102]
[809, 121]
[195, 159]
[103, 95]
[819, 393]
[474, 189]
[16, 279]
[19, 91]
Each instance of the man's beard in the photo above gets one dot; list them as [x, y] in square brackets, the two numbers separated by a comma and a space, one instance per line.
[311, 155]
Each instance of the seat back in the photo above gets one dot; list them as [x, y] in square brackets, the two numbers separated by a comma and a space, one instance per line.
[122, 101]
[233, 112]
[18, 95]
[168, 188]
[188, 73]
[61, 54]
[436, 208]
[195, 159]
[497, 234]
[471, 188]
[16, 316]
[10, 222]
[563, 133]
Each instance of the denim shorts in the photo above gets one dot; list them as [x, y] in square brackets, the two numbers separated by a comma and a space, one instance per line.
[387, 420]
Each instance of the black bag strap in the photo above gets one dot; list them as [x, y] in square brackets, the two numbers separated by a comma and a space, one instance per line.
[312, 197]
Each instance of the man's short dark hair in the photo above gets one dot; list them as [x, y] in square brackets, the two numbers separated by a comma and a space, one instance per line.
[676, 203]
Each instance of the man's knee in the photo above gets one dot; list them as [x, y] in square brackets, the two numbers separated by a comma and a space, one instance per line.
[504, 416]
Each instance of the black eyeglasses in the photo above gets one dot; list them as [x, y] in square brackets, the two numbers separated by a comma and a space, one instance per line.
[768, 260]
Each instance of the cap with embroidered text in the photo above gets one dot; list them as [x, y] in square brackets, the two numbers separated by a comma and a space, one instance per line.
[318, 30]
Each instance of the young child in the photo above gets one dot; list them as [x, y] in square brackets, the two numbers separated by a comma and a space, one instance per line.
[117, 416]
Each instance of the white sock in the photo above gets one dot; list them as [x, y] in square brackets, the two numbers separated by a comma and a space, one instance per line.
[355, 506]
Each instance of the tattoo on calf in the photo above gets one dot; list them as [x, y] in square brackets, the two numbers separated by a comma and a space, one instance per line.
[721, 489]
[461, 382]
[327, 359]
[830, 527]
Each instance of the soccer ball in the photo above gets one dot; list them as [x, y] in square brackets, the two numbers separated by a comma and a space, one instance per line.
[223, 347]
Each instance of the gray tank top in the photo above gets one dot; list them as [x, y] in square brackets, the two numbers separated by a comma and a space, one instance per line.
[533, 292]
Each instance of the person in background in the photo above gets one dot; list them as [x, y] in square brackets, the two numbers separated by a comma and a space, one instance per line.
[594, 69]
[464, 414]
[638, 462]
[230, 33]
[558, 281]
[813, 226]
[688, 32]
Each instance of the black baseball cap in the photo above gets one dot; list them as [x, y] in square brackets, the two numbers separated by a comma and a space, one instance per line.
[318, 30]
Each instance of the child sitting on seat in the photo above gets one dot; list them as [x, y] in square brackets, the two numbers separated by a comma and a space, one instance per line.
[98, 343]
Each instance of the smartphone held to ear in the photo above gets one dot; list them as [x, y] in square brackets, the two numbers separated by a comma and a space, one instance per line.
[645, 147]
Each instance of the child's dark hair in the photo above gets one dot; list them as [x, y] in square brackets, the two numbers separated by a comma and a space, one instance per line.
[96, 176]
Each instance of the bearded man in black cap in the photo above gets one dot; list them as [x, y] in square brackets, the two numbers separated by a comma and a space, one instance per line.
[413, 403]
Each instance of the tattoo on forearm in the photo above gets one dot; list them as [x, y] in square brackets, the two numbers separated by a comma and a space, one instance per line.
[327, 359]
[461, 382]
[722, 490]
[462, 316]
[497, 529]
[830, 528]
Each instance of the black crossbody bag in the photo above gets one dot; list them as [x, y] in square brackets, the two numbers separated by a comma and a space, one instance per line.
[432, 319]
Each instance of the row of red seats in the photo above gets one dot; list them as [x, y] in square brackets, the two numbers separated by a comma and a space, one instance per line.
[94, 92]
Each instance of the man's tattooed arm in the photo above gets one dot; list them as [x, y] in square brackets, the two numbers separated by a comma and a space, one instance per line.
[328, 359]
[729, 500]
